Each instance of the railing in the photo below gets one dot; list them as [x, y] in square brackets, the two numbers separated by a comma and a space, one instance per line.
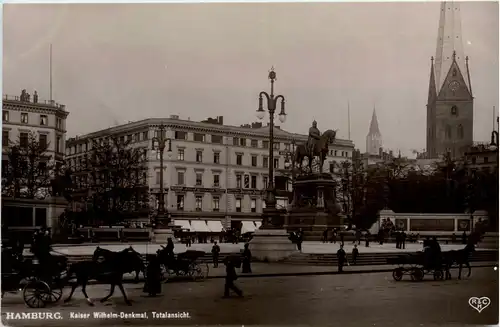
[50, 103]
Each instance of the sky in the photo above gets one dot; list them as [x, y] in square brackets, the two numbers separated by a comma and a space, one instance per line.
[114, 63]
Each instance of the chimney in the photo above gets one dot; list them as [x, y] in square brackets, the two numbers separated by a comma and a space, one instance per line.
[220, 120]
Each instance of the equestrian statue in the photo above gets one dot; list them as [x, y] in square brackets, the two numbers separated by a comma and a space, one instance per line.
[316, 146]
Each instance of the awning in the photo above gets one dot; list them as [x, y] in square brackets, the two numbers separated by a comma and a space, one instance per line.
[214, 226]
[247, 227]
[199, 226]
[258, 224]
[184, 224]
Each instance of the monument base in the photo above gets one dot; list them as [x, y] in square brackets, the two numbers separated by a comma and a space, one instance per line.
[271, 245]
[161, 235]
[489, 241]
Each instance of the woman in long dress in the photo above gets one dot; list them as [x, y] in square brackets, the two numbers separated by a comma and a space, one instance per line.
[247, 258]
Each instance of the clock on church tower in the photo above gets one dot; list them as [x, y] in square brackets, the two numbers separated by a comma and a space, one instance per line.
[454, 85]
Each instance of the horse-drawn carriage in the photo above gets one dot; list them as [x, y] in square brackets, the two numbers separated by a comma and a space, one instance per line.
[417, 266]
[39, 286]
[186, 264]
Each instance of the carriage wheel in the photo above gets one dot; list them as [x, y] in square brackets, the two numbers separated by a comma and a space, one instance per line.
[397, 274]
[53, 296]
[438, 274]
[34, 292]
[417, 274]
[199, 271]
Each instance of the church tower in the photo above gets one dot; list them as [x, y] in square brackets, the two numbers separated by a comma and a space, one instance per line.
[450, 101]
[374, 138]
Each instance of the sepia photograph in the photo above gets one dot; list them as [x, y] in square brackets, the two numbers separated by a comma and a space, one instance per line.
[238, 163]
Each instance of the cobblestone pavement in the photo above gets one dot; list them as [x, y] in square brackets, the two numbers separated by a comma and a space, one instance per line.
[340, 300]
[307, 247]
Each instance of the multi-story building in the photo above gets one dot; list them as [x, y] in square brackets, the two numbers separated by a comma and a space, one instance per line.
[22, 115]
[215, 172]
[482, 156]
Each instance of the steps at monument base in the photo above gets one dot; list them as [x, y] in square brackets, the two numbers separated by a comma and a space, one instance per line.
[370, 258]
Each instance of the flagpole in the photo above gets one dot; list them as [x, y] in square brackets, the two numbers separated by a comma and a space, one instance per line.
[50, 67]
[348, 120]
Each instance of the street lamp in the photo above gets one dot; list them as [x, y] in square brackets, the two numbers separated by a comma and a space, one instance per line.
[159, 143]
[270, 210]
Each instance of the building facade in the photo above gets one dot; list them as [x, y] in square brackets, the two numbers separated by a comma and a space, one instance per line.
[214, 171]
[482, 157]
[450, 105]
[25, 114]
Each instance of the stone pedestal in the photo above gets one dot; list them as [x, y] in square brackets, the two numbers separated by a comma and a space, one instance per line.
[161, 235]
[489, 241]
[271, 245]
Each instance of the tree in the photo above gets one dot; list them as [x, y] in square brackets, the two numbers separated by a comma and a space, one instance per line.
[29, 169]
[115, 176]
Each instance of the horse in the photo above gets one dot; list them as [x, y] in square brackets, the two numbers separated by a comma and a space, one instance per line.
[109, 270]
[134, 262]
[460, 258]
[320, 150]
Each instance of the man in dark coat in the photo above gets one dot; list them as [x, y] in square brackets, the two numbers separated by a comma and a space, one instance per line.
[341, 257]
[247, 258]
[403, 239]
[152, 285]
[215, 254]
[299, 239]
[230, 278]
[325, 236]
[355, 253]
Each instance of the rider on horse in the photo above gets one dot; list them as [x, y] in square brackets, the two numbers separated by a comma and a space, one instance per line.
[314, 136]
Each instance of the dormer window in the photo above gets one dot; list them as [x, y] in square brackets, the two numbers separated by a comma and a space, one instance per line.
[454, 72]
[454, 111]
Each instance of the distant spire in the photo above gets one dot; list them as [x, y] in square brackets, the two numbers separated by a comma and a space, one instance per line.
[374, 124]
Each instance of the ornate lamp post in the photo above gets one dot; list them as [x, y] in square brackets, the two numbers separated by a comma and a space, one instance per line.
[159, 142]
[271, 216]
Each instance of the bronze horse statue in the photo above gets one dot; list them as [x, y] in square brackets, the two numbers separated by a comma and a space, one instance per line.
[320, 150]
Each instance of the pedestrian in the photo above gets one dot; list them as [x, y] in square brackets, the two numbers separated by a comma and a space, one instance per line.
[367, 239]
[247, 258]
[342, 238]
[403, 239]
[334, 236]
[215, 254]
[230, 278]
[341, 256]
[464, 238]
[355, 253]
[398, 240]
[152, 284]
[453, 238]
[325, 235]
[358, 236]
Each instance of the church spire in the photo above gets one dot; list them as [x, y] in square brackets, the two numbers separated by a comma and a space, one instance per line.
[449, 44]
[374, 137]
[374, 124]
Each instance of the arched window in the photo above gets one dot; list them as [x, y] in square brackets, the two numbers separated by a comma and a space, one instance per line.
[460, 131]
[448, 132]
[454, 111]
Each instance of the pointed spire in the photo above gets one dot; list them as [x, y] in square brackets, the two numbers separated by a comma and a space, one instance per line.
[449, 43]
[374, 124]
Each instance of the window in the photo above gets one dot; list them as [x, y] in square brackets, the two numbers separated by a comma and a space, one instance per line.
[24, 117]
[238, 205]
[254, 161]
[199, 137]
[276, 163]
[158, 177]
[265, 181]
[454, 111]
[247, 181]
[460, 131]
[454, 72]
[448, 132]
[265, 144]
[180, 178]
[276, 146]
[243, 142]
[199, 202]
[217, 139]
[287, 146]
[265, 162]
[239, 159]
[199, 156]
[5, 138]
[144, 136]
[180, 202]
[43, 141]
[180, 135]
[253, 181]
[238, 181]
[236, 141]
[253, 205]
[335, 152]
[216, 180]
[254, 143]
[332, 168]
[58, 144]
[23, 140]
[180, 154]
[199, 179]
[215, 203]
[43, 120]
[5, 115]
[216, 158]
[58, 123]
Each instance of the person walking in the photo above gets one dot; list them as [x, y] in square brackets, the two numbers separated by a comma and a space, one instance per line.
[230, 278]
[325, 236]
[341, 256]
[215, 254]
[398, 240]
[355, 253]
[247, 258]
[334, 236]
[367, 239]
[403, 239]
[299, 240]
[152, 284]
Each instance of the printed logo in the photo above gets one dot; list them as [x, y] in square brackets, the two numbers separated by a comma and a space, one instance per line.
[479, 303]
